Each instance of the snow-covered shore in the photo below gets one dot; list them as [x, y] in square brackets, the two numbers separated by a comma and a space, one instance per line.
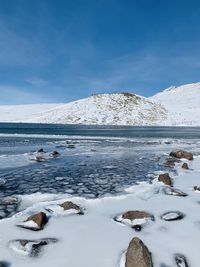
[95, 239]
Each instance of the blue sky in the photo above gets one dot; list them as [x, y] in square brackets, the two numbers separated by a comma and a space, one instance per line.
[58, 51]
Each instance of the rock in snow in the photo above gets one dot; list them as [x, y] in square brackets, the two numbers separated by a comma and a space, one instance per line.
[165, 178]
[181, 260]
[30, 247]
[35, 222]
[172, 216]
[138, 254]
[65, 208]
[181, 154]
[185, 166]
[135, 218]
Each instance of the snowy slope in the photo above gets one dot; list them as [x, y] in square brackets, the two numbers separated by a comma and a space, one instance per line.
[175, 106]
[182, 103]
[108, 109]
[20, 113]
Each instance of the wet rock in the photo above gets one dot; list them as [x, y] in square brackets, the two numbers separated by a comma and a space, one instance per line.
[39, 158]
[35, 222]
[196, 188]
[172, 216]
[55, 154]
[165, 178]
[181, 154]
[170, 162]
[173, 192]
[185, 166]
[66, 207]
[30, 247]
[41, 150]
[71, 146]
[181, 260]
[138, 254]
[135, 219]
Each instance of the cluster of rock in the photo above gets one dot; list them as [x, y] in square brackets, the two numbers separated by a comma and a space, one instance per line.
[137, 254]
[37, 222]
[40, 155]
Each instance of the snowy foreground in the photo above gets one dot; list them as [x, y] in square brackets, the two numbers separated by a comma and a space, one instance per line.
[95, 239]
[175, 106]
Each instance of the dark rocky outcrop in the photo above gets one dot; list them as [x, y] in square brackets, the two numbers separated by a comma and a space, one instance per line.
[181, 260]
[185, 166]
[138, 254]
[172, 216]
[165, 178]
[180, 154]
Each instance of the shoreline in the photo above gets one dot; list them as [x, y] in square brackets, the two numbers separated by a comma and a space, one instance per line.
[100, 241]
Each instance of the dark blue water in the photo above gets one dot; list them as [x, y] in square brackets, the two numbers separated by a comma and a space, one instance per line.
[109, 131]
[103, 160]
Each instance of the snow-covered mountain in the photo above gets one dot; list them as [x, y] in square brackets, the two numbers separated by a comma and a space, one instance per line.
[109, 109]
[182, 103]
[173, 106]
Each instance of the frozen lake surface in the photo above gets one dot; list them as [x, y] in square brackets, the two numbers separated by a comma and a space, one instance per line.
[93, 161]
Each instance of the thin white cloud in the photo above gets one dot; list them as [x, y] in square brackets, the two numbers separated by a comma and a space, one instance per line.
[36, 81]
[11, 94]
